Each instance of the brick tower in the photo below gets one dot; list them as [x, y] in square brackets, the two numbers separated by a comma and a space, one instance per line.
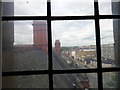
[57, 47]
[40, 35]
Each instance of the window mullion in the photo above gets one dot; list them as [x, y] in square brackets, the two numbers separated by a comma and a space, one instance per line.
[0, 46]
[13, 18]
[50, 64]
[98, 46]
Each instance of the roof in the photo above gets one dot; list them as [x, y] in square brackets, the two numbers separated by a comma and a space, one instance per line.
[108, 61]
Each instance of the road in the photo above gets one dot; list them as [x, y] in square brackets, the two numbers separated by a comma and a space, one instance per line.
[91, 76]
[63, 65]
[66, 80]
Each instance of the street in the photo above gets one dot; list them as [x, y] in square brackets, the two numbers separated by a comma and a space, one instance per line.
[64, 80]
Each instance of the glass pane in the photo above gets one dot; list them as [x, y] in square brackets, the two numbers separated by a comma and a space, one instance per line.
[31, 81]
[25, 45]
[80, 80]
[105, 7]
[74, 44]
[28, 8]
[109, 7]
[107, 43]
[72, 8]
[110, 80]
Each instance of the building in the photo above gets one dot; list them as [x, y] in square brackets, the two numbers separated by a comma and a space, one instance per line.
[73, 54]
[58, 47]
[107, 51]
[40, 35]
[84, 53]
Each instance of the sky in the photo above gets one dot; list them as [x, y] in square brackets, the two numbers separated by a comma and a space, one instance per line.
[69, 32]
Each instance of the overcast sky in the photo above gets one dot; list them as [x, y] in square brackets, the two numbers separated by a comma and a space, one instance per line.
[70, 32]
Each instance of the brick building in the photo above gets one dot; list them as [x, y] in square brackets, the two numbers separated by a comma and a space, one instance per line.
[58, 47]
[40, 35]
[86, 53]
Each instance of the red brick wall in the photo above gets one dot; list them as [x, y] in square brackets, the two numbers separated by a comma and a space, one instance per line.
[40, 35]
[57, 47]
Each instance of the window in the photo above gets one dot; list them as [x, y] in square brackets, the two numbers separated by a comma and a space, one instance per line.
[50, 74]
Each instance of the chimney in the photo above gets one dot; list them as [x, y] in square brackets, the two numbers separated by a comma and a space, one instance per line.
[40, 35]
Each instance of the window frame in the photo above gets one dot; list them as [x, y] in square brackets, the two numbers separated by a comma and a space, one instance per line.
[96, 17]
[0, 46]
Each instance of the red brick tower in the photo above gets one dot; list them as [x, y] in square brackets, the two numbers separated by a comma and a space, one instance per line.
[40, 35]
[57, 47]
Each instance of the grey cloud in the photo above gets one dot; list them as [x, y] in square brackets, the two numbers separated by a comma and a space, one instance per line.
[74, 33]
[72, 8]
[23, 39]
[31, 8]
[23, 32]
[90, 37]
[105, 7]
[69, 32]
[23, 28]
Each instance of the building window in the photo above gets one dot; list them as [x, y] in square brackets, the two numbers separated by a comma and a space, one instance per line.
[55, 41]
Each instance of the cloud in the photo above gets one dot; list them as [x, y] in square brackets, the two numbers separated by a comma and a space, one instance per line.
[23, 39]
[23, 32]
[71, 8]
[69, 32]
[105, 7]
[73, 32]
[30, 7]
[106, 28]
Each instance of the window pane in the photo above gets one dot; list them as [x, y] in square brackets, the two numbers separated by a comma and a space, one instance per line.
[107, 43]
[109, 7]
[31, 81]
[25, 45]
[29, 8]
[105, 7]
[110, 80]
[72, 8]
[74, 44]
[80, 80]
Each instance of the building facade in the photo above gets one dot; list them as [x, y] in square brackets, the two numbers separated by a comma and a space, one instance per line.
[58, 47]
[107, 51]
[40, 35]
[82, 54]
